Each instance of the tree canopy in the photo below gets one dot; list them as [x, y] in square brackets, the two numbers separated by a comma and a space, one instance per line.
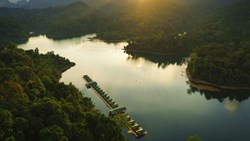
[35, 106]
[222, 52]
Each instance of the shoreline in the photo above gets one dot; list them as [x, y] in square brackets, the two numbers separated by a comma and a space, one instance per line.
[64, 69]
[204, 85]
[155, 53]
[72, 64]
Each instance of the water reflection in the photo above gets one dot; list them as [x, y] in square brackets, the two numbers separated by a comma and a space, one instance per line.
[162, 61]
[232, 106]
[238, 96]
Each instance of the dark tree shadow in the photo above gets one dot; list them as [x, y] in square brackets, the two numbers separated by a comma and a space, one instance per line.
[220, 96]
[162, 61]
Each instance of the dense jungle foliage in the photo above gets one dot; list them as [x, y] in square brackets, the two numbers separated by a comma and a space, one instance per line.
[34, 105]
[222, 50]
[127, 20]
[222, 64]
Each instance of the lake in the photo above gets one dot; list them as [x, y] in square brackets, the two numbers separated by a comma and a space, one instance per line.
[154, 89]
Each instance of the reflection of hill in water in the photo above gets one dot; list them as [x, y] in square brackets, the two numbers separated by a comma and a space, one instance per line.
[16, 41]
[162, 61]
[221, 96]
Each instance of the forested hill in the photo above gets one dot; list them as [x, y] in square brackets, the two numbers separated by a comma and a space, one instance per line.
[11, 30]
[35, 106]
[132, 19]
[42, 21]
[222, 51]
[36, 4]
[200, 29]
[55, 3]
[112, 19]
[228, 24]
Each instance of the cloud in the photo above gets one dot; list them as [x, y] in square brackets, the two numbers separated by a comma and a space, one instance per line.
[13, 1]
[16, 1]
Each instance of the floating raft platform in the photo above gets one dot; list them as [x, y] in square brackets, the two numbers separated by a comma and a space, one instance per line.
[115, 109]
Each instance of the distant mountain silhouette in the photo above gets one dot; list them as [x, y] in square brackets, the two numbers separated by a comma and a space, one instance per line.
[37, 3]
[215, 2]
[6, 3]
[49, 3]
[56, 3]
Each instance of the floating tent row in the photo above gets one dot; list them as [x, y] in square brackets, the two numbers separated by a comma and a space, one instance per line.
[135, 126]
[90, 81]
[105, 96]
[116, 109]
[87, 78]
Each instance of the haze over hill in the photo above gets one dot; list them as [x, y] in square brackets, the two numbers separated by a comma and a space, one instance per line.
[55, 3]
[36, 3]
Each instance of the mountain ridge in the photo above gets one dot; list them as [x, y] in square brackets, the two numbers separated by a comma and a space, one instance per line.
[30, 4]
[38, 4]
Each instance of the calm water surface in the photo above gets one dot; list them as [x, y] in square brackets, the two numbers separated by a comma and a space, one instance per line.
[153, 88]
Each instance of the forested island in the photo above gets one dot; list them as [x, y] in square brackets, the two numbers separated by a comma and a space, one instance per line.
[34, 105]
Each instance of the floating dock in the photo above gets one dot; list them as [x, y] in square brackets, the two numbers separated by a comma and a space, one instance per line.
[115, 109]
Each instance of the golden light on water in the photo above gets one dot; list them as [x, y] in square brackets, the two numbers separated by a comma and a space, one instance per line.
[232, 106]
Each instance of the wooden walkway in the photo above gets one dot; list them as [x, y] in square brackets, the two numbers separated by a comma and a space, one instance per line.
[115, 109]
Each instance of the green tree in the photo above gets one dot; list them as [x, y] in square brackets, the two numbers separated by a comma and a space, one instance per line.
[12, 94]
[52, 133]
[49, 112]
[194, 138]
[6, 121]
[41, 107]
[21, 126]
